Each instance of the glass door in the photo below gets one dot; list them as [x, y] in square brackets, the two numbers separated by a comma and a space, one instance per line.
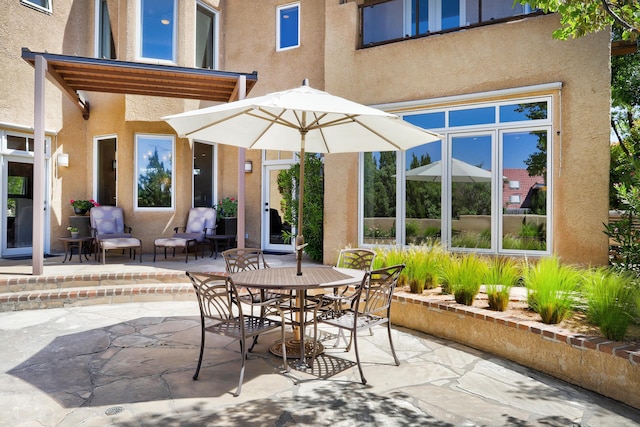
[17, 207]
[276, 229]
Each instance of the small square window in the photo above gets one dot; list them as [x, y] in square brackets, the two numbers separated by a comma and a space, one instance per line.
[42, 5]
[288, 26]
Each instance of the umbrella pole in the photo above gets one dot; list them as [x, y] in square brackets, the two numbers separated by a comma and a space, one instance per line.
[300, 238]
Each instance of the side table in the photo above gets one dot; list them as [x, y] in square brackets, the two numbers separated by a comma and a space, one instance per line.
[216, 238]
[82, 243]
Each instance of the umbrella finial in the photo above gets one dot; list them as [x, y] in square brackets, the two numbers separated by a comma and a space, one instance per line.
[305, 82]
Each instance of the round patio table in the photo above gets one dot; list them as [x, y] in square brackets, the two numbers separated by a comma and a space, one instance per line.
[286, 278]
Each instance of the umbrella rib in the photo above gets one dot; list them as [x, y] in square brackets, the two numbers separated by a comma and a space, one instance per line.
[239, 113]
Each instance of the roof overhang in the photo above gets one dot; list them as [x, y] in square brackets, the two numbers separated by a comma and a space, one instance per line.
[74, 73]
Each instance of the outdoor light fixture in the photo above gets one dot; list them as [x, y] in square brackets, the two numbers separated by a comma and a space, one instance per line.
[63, 160]
[248, 166]
[114, 165]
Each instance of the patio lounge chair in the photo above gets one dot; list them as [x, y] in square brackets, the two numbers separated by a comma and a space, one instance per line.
[221, 313]
[110, 232]
[370, 306]
[201, 223]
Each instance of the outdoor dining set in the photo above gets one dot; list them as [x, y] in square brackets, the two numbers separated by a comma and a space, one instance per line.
[250, 299]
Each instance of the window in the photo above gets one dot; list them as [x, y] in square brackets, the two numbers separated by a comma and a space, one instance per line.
[154, 171]
[288, 26]
[157, 30]
[203, 175]
[42, 5]
[22, 144]
[483, 188]
[206, 37]
[106, 170]
[398, 19]
[105, 46]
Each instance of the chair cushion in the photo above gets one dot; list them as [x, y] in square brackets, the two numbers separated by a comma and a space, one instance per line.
[106, 225]
[199, 236]
[171, 242]
[122, 242]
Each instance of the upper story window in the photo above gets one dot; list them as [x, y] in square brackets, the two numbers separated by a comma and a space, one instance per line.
[206, 37]
[42, 5]
[105, 46]
[157, 30]
[288, 26]
[384, 21]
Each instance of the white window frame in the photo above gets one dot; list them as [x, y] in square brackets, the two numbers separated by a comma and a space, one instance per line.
[216, 32]
[174, 37]
[97, 24]
[137, 165]
[48, 9]
[280, 8]
[498, 128]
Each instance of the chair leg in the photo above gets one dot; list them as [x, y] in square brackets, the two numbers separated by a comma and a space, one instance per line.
[393, 351]
[243, 345]
[195, 376]
[355, 347]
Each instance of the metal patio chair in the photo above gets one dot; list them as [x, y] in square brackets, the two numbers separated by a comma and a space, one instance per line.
[370, 306]
[221, 313]
[269, 302]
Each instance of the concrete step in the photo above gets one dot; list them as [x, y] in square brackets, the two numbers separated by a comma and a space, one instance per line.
[99, 294]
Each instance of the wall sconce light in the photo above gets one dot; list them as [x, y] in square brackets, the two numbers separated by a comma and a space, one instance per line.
[248, 166]
[63, 159]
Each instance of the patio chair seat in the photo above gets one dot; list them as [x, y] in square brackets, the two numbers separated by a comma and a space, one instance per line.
[121, 243]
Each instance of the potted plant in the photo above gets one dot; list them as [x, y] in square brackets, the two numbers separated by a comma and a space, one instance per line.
[81, 207]
[227, 210]
[74, 232]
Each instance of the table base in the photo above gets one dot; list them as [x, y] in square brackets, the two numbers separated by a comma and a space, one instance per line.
[293, 348]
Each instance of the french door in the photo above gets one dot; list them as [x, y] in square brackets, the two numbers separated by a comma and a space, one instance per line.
[17, 206]
[275, 228]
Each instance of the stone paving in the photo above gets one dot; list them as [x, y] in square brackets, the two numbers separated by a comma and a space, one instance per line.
[131, 365]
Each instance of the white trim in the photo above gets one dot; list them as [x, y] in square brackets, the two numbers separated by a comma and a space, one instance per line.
[21, 128]
[136, 174]
[47, 10]
[280, 8]
[216, 31]
[470, 98]
[97, 138]
[174, 37]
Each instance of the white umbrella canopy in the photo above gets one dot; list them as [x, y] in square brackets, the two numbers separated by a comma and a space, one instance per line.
[460, 172]
[300, 119]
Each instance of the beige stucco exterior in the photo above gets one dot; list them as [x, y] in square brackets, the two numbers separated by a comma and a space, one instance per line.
[482, 60]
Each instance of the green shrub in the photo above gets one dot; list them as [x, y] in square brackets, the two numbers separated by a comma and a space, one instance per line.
[551, 289]
[502, 275]
[464, 276]
[412, 229]
[612, 301]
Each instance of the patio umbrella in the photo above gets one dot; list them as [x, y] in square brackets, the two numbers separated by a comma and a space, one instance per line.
[460, 172]
[300, 119]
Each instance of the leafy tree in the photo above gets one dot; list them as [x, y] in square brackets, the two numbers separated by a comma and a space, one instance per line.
[580, 17]
[313, 213]
[154, 186]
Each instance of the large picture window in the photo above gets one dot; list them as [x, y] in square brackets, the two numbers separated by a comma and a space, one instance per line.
[288, 26]
[484, 187]
[157, 30]
[154, 171]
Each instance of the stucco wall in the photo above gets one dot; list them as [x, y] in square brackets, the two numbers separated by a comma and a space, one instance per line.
[495, 57]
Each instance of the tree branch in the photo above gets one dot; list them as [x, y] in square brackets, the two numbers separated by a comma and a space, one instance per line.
[618, 19]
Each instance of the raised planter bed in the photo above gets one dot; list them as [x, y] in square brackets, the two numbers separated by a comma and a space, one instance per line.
[594, 363]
